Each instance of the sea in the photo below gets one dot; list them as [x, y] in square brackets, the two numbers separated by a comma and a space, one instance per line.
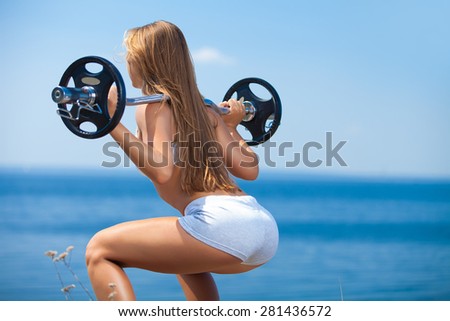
[341, 238]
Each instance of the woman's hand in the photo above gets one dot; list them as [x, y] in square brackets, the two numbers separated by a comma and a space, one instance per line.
[236, 114]
[112, 100]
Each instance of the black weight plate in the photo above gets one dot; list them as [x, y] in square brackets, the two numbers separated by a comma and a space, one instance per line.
[264, 108]
[101, 81]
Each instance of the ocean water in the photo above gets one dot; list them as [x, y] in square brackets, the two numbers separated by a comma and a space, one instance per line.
[340, 238]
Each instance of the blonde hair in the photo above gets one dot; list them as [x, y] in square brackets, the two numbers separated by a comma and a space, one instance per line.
[160, 54]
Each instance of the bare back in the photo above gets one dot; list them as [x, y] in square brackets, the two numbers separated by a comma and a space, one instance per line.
[156, 126]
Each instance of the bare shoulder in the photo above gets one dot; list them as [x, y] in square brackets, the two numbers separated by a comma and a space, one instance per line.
[155, 117]
[157, 110]
[222, 131]
[158, 114]
[214, 118]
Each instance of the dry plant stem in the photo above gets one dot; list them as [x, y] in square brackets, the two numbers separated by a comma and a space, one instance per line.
[77, 279]
[113, 293]
[66, 257]
[66, 294]
[340, 288]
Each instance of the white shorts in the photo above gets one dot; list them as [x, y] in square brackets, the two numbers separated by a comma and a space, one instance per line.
[237, 225]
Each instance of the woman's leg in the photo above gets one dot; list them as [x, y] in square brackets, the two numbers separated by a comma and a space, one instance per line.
[198, 287]
[160, 245]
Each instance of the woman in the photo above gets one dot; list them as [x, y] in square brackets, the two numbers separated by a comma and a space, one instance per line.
[187, 150]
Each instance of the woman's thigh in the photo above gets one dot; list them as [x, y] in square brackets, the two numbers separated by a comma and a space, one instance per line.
[162, 245]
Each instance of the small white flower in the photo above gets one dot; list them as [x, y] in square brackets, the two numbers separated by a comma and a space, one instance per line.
[51, 254]
[62, 256]
[68, 288]
[111, 296]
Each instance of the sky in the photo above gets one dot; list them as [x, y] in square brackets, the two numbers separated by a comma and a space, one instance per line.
[366, 80]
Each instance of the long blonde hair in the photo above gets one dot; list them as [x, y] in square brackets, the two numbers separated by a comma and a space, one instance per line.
[160, 54]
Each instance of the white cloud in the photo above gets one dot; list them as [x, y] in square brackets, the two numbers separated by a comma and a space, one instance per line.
[209, 55]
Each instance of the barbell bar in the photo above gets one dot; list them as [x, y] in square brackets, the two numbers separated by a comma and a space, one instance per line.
[87, 94]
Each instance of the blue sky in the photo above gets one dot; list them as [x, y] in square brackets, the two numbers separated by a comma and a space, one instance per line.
[376, 74]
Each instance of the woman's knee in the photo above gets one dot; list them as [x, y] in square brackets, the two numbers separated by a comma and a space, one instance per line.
[96, 249]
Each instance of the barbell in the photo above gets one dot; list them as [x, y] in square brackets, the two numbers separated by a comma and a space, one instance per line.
[89, 101]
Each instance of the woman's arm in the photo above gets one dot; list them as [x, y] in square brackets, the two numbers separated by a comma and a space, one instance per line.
[155, 159]
[240, 159]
